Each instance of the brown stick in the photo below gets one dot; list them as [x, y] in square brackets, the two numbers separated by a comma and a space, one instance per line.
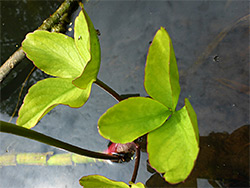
[137, 163]
[11, 63]
[19, 55]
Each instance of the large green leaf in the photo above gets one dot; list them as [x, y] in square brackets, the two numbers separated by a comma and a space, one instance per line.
[173, 148]
[54, 53]
[90, 72]
[132, 118]
[94, 181]
[45, 95]
[161, 72]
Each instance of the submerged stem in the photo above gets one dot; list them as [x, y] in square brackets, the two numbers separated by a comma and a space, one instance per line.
[137, 162]
[108, 89]
[27, 133]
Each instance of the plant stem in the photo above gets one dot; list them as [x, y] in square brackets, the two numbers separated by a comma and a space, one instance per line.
[27, 133]
[108, 89]
[137, 162]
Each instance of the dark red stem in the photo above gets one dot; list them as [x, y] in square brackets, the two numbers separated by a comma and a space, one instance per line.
[137, 162]
[108, 89]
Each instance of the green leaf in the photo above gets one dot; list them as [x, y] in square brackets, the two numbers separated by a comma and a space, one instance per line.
[45, 95]
[94, 181]
[173, 148]
[90, 72]
[138, 185]
[161, 71]
[132, 118]
[82, 37]
[54, 53]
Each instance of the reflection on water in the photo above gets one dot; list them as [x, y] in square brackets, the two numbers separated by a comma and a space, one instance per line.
[223, 160]
[45, 159]
[212, 50]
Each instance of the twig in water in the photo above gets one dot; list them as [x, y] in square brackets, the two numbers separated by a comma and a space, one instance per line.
[20, 93]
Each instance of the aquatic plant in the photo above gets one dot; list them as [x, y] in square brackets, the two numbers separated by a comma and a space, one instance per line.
[173, 138]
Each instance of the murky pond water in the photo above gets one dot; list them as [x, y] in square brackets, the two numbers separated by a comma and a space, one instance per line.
[211, 42]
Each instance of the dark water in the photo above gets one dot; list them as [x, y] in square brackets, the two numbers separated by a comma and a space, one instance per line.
[211, 42]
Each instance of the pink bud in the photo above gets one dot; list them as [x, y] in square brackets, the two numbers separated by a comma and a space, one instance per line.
[121, 148]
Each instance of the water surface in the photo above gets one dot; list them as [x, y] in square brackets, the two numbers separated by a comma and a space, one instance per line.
[211, 42]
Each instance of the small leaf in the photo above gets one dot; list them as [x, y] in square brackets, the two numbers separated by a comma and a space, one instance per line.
[161, 72]
[94, 181]
[193, 118]
[90, 72]
[132, 118]
[82, 37]
[138, 185]
[173, 148]
[54, 53]
[45, 95]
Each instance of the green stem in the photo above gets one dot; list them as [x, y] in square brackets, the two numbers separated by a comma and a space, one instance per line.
[108, 89]
[27, 133]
